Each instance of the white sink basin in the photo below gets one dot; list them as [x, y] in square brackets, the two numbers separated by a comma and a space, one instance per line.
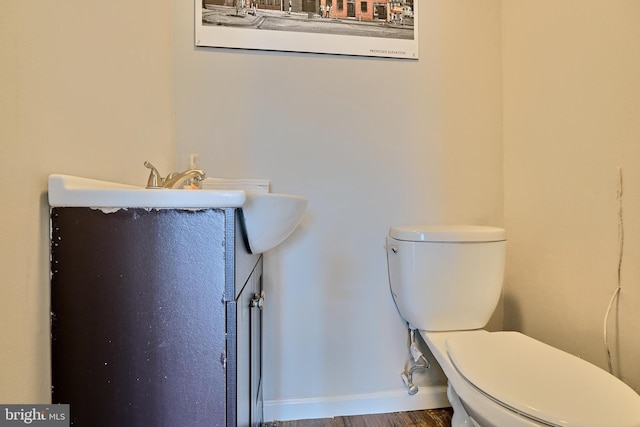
[269, 218]
[73, 191]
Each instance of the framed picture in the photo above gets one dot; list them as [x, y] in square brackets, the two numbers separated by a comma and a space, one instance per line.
[344, 27]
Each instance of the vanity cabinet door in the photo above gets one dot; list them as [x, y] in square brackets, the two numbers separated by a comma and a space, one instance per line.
[256, 346]
[138, 319]
[249, 350]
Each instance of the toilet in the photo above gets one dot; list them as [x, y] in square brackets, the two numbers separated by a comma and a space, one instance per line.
[446, 282]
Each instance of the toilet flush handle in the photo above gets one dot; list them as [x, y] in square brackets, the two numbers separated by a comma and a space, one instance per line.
[393, 248]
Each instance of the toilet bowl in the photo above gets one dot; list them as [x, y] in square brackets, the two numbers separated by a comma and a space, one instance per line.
[446, 282]
[509, 379]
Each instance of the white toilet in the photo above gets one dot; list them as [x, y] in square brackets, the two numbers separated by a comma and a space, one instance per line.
[446, 282]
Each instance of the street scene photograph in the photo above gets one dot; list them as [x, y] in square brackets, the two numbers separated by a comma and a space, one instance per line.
[357, 27]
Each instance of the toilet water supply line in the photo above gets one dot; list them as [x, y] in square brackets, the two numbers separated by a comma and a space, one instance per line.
[616, 292]
[419, 362]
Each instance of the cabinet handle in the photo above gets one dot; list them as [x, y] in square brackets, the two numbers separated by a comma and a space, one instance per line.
[257, 300]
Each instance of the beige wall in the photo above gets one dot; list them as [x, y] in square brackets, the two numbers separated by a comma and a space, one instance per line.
[371, 143]
[85, 89]
[89, 90]
[571, 118]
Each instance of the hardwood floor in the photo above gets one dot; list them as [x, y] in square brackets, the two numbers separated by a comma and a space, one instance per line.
[426, 418]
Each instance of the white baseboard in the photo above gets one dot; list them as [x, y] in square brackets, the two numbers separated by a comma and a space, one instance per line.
[429, 397]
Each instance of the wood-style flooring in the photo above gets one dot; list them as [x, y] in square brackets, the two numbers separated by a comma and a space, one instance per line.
[426, 418]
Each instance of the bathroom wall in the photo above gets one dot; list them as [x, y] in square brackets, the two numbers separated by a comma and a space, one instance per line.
[371, 143]
[85, 89]
[571, 109]
[94, 90]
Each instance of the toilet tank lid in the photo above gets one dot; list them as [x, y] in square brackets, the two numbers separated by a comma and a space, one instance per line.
[447, 233]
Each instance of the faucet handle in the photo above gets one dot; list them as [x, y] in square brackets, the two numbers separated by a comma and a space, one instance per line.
[155, 179]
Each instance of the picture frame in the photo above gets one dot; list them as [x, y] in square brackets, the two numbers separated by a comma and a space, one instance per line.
[386, 29]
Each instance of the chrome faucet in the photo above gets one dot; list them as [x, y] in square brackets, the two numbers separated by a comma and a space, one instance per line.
[174, 179]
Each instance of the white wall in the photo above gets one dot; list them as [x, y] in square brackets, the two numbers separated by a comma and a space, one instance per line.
[571, 91]
[85, 88]
[427, 150]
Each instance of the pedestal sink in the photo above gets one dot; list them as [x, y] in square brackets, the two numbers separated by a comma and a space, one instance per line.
[269, 218]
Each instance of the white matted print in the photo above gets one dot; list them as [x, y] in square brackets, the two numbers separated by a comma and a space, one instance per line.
[346, 27]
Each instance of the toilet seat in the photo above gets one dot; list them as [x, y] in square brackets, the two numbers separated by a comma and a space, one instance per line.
[542, 382]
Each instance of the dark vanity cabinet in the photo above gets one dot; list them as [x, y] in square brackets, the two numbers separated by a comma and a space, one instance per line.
[155, 318]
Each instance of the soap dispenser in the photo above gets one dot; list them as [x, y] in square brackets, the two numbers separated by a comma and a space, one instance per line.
[193, 184]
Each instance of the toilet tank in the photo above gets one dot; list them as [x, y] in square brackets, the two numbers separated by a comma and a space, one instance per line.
[446, 278]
